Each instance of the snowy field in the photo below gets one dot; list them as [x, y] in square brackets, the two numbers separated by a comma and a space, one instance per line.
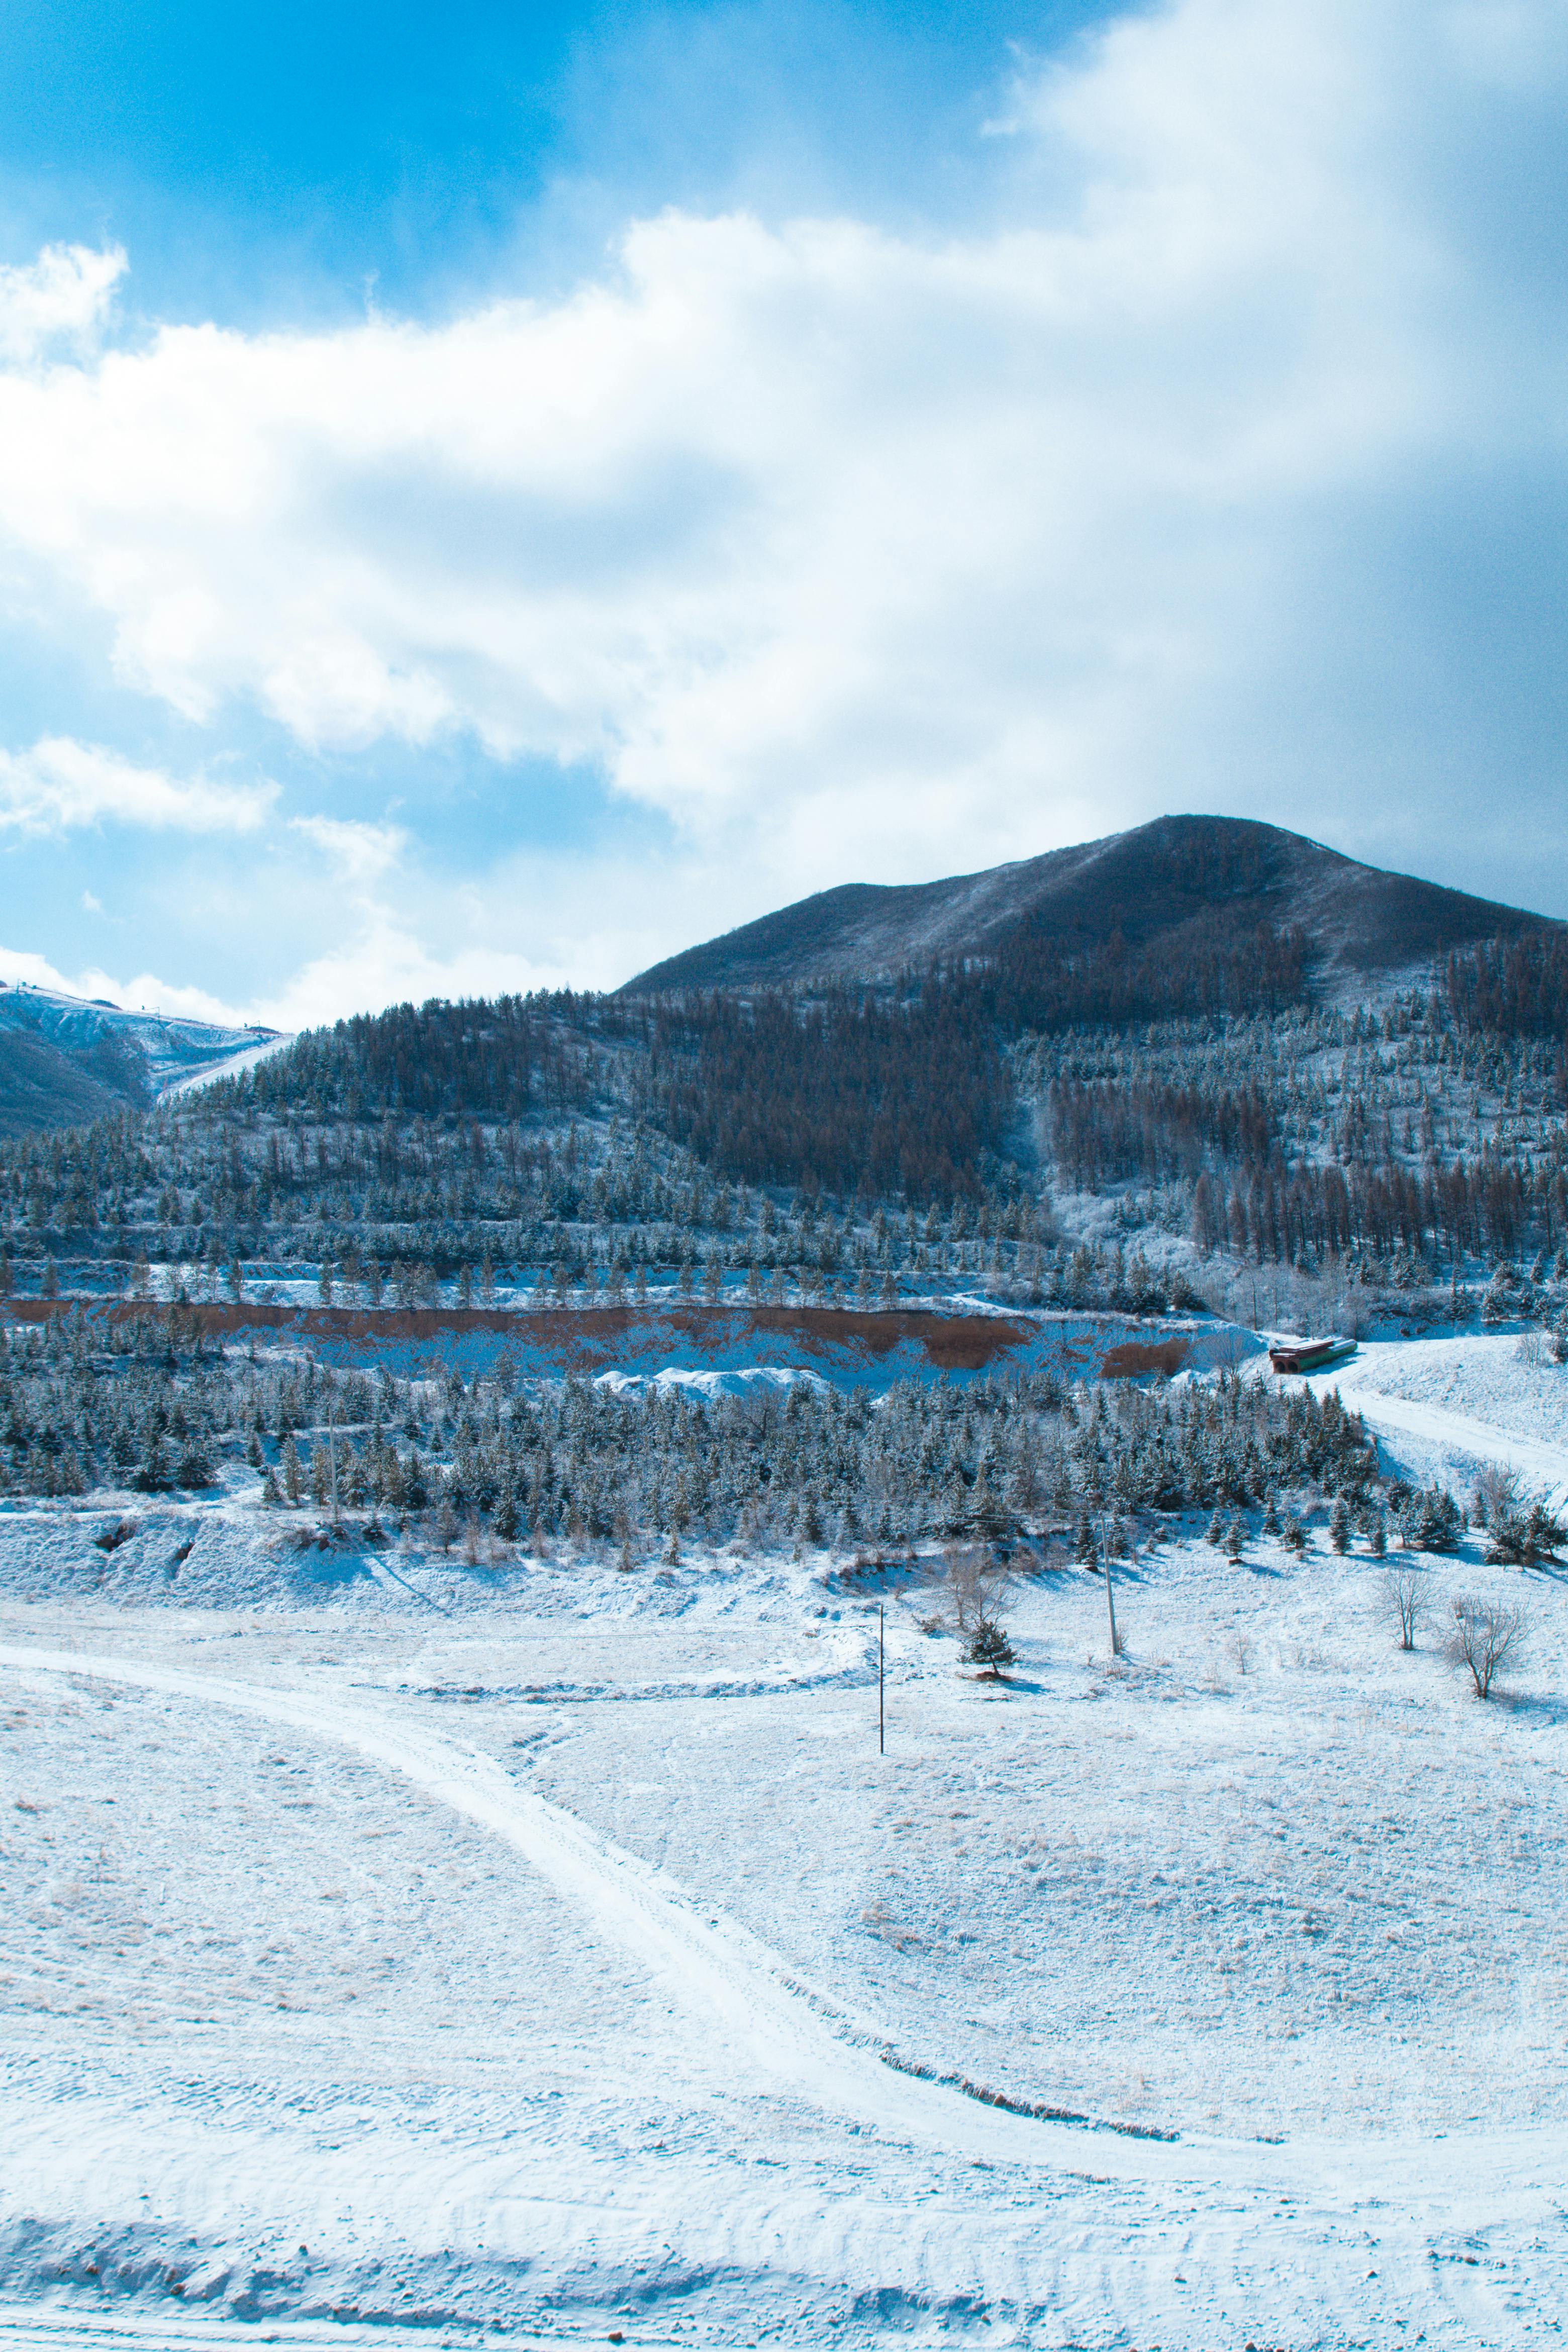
[1451, 1404]
[378, 1960]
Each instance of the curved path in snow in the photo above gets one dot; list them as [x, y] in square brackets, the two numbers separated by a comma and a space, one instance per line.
[807, 2045]
[793, 2034]
[1542, 1465]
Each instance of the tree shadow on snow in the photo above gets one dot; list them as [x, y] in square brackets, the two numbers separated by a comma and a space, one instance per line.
[1534, 1706]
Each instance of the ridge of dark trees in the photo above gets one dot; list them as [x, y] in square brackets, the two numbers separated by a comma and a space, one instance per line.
[599, 1140]
[1511, 987]
[845, 1094]
[495, 1059]
[895, 1092]
[902, 1091]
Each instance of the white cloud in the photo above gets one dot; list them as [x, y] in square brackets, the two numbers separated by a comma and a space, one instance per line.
[379, 964]
[402, 936]
[59, 784]
[854, 551]
[142, 991]
[362, 852]
[63, 298]
[383, 963]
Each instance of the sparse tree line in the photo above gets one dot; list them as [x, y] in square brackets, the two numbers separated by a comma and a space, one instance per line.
[1513, 988]
[603, 1212]
[1314, 1136]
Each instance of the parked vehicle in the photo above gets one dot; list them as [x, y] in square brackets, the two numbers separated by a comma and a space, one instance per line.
[1310, 1355]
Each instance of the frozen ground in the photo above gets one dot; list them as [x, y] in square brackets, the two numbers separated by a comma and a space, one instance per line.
[532, 1971]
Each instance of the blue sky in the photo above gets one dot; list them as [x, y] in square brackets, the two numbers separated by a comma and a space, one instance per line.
[490, 498]
[262, 164]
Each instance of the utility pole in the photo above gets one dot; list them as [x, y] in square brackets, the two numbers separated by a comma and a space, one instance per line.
[1110, 1603]
[333, 1457]
[881, 1679]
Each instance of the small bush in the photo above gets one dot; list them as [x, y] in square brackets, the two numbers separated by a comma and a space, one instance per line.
[1523, 1538]
[1430, 1521]
[196, 1467]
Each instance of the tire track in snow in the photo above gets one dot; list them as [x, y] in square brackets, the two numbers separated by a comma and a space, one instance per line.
[807, 2043]
[25, 2328]
[1457, 1431]
[804, 2043]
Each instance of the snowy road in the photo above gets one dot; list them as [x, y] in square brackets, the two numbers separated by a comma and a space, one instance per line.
[795, 2036]
[1467, 1401]
[731, 1983]
[1545, 1466]
[322, 2017]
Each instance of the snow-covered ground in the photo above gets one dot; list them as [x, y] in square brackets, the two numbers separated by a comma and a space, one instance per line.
[181, 1053]
[1445, 1406]
[375, 1959]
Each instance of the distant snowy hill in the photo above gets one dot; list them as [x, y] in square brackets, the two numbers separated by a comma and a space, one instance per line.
[1142, 889]
[64, 1060]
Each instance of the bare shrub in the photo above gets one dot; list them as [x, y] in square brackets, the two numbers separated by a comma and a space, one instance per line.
[1496, 1493]
[1405, 1595]
[1487, 1634]
[971, 1585]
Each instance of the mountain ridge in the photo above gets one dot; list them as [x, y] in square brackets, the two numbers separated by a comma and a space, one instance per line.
[66, 1060]
[1361, 921]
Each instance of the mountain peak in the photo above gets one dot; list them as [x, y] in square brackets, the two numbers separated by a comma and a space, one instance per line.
[1361, 924]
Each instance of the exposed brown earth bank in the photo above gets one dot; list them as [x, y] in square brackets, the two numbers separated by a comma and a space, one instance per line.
[843, 1343]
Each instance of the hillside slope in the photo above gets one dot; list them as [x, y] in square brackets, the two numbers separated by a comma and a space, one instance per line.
[64, 1061]
[1154, 880]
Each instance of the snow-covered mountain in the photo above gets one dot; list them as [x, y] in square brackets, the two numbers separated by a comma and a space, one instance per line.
[64, 1059]
[1150, 884]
